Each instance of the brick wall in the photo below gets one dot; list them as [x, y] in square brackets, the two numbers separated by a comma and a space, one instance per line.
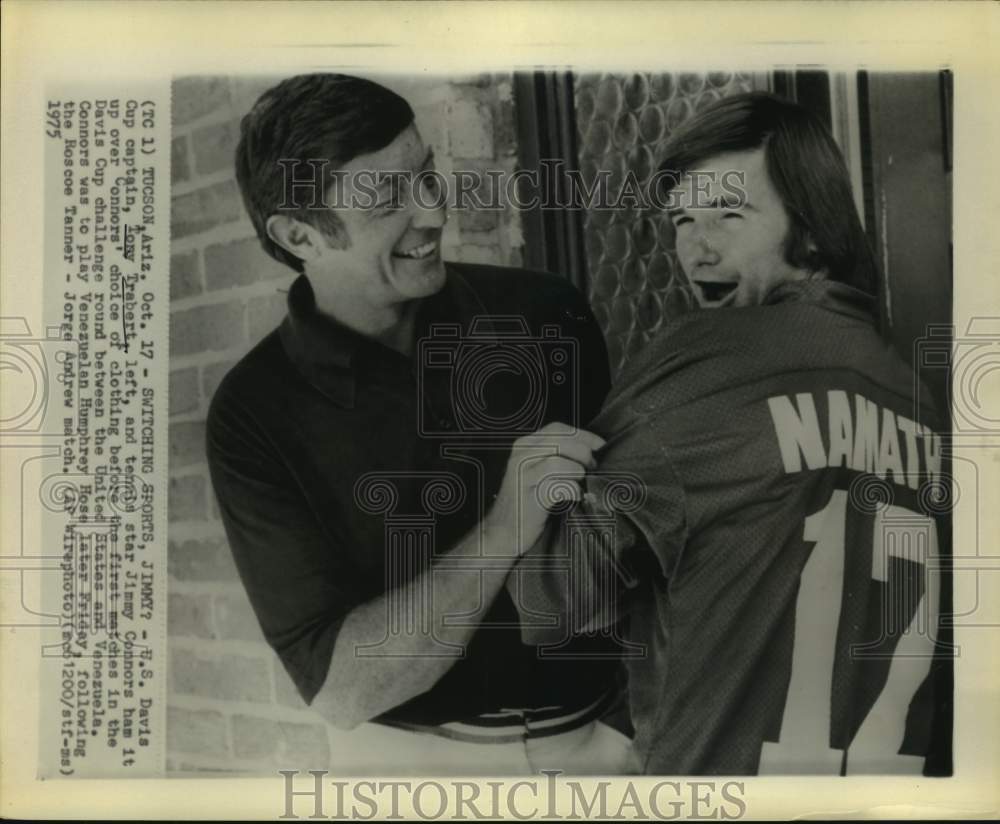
[230, 704]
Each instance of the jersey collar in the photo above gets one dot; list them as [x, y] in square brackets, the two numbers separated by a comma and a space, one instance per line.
[830, 294]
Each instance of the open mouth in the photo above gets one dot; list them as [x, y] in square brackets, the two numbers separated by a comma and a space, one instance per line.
[424, 250]
[715, 292]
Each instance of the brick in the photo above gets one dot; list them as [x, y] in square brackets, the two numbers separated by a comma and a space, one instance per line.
[481, 239]
[477, 220]
[187, 499]
[255, 737]
[186, 443]
[240, 263]
[201, 732]
[470, 130]
[194, 97]
[190, 615]
[207, 559]
[475, 186]
[305, 744]
[284, 688]
[206, 328]
[235, 619]
[204, 208]
[265, 313]
[226, 677]
[469, 253]
[185, 275]
[180, 162]
[232, 264]
[261, 738]
[212, 375]
[215, 147]
[184, 395]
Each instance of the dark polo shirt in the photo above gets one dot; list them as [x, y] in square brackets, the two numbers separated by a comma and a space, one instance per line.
[298, 426]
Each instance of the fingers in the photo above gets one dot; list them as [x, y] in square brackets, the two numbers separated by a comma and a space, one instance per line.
[562, 467]
[558, 482]
[556, 493]
[545, 474]
[562, 430]
[560, 439]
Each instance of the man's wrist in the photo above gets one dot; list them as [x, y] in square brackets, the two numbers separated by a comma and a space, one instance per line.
[501, 540]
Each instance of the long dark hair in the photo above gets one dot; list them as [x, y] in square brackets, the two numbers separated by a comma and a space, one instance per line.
[806, 168]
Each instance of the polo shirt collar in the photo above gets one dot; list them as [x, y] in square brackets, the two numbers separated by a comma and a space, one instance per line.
[326, 352]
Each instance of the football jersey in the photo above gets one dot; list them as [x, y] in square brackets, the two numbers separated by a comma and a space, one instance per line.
[764, 525]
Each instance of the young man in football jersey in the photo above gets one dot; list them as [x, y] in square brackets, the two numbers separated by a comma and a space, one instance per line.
[762, 520]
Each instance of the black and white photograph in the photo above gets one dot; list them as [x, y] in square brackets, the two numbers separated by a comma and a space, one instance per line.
[560, 420]
[496, 410]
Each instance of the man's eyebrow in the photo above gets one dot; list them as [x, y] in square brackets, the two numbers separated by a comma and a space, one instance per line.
[734, 202]
[674, 211]
[725, 203]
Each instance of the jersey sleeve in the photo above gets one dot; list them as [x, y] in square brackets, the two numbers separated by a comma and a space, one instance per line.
[299, 585]
[631, 524]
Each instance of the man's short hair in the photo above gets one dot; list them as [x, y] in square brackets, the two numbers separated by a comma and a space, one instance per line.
[323, 117]
[806, 168]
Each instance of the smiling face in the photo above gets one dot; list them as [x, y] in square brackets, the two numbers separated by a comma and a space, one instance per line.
[732, 256]
[389, 253]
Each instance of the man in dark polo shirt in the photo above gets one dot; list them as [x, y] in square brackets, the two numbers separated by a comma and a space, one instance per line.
[379, 459]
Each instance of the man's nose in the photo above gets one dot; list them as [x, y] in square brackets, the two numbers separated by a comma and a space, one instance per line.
[702, 252]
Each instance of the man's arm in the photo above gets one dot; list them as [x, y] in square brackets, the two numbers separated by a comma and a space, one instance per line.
[400, 666]
[631, 524]
[358, 688]
[305, 592]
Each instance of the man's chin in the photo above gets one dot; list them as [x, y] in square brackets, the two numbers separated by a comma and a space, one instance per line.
[418, 282]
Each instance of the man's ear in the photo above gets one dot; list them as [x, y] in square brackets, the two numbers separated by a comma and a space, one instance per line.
[298, 238]
[817, 271]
